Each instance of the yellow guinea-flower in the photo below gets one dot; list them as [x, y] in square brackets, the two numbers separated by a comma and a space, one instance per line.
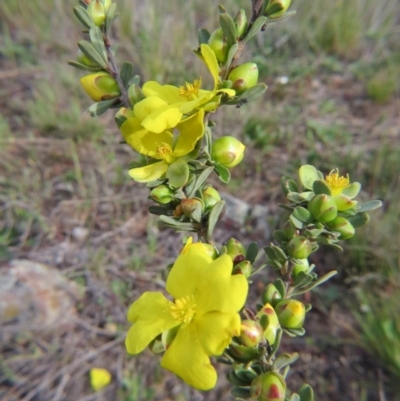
[203, 313]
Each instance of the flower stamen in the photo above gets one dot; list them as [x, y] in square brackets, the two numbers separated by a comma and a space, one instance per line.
[190, 91]
[337, 183]
[183, 309]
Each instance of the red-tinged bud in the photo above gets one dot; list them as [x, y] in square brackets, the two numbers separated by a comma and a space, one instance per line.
[243, 77]
[342, 226]
[162, 194]
[277, 8]
[343, 202]
[219, 46]
[270, 386]
[191, 205]
[251, 333]
[210, 197]
[271, 295]
[302, 265]
[235, 248]
[244, 267]
[241, 22]
[100, 86]
[97, 12]
[299, 247]
[323, 208]
[270, 322]
[227, 151]
[291, 313]
[122, 115]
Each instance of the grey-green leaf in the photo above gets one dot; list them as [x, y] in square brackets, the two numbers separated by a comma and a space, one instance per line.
[256, 27]
[96, 36]
[228, 27]
[252, 252]
[97, 109]
[203, 36]
[321, 187]
[368, 206]
[88, 50]
[126, 73]
[214, 217]
[83, 16]
[83, 66]
[359, 220]
[306, 393]
[285, 359]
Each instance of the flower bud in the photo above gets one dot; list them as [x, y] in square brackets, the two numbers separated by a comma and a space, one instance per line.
[343, 202]
[244, 267]
[189, 206]
[135, 94]
[289, 230]
[227, 151]
[323, 208]
[251, 333]
[271, 9]
[243, 77]
[299, 247]
[210, 197]
[270, 323]
[241, 22]
[97, 12]
[270, 386]
[342, 226]
[271, 295]
[235, 248]
[122, 115]
[219, 46]
[162, 194]
[302, 265]
[291, 313]
[100, 86]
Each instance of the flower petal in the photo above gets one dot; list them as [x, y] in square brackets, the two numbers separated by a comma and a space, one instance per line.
[226, 293]
[186, 272]
[131, 127]
[146, 106]
[150, 315]
[162, 119]
[215, 330]
[167, 93]
[211, 62]
[190, 131]
[148, 143]
[149, 173]
[186, 358]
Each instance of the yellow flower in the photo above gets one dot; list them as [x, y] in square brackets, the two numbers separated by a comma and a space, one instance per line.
[204, 314]
[165, 105]
[337, 183]
[163, 146]
[99, 378]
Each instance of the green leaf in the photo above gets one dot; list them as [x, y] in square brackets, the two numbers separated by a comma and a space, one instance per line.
[88, 50]
[284, 359]
[178, 173]
[252, 252]
[256, 27]
[99, 108]
[231, 53]
[203, 36]
[308, 174]
[84, 17]
[96, 36]
[302, 279]
[200, 181]
[228, 27]
[294, 397]
[321, 187]
[126, 74]
[314, 284]
[280, 237]
[111, 14]
[295, 332]
[223, 173]
[177, 225]
[302, 214]
[352, 190]
[296, 222]
[288, 185]
[306, 393]
[241, 392]
[277, 342]
[84, 67]
[158, 210]
[368, 206]
[359, 220]
[214, 216]
[280, 286]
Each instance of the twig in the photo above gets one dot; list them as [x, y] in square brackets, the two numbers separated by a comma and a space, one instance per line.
[60, 388]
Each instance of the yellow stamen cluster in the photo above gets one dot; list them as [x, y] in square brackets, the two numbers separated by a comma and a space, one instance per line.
[337, 183]
[164, 150]
[183, 309]
[190, 91]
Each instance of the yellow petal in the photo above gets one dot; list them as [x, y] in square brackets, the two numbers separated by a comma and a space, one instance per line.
[186, 272]
[149, 173]
[146, 106]
[186, 358]
[167, 93]
[190, 131]
[150, 315]
[211, 62]
[99, 378]
[162, 119]
[149, 144]
[130, 128]
[215, 330]
[218, 290]
[189, 106]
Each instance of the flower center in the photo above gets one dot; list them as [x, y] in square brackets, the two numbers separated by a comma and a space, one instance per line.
[183, 309]
[336, 183]
[164, 151]
[190, 91]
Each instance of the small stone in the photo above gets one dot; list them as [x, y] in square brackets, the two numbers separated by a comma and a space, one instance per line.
[80, 234]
